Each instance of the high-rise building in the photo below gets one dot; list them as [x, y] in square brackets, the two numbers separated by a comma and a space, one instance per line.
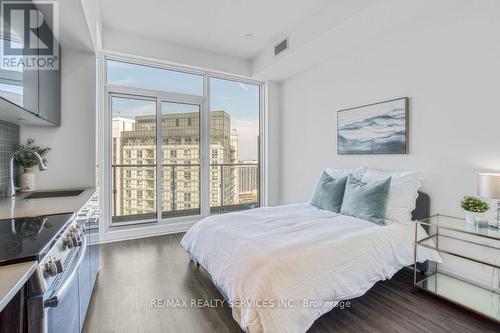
[248, 180]
[119, 125]
[134, 157]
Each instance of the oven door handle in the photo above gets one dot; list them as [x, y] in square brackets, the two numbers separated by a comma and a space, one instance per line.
[63, 290]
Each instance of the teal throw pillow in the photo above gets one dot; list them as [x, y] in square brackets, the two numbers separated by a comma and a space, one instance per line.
[366, 201]
[329, 193]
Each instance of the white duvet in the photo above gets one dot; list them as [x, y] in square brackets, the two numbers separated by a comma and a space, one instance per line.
[281, 268]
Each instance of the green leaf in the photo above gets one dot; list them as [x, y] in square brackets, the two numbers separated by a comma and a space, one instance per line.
[474, 204]
[28, 160]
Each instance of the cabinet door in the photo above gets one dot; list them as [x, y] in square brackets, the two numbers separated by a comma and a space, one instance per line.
[18, 78]
[49, 93]
[95, 258]
[49, 100]
[30, 90]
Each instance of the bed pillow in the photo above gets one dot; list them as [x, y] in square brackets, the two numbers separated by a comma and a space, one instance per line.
[329, 193]
[337, 173]
[366, 201]
[402, 194]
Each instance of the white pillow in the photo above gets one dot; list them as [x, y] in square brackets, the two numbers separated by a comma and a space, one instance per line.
[338, 173]
[403, 192]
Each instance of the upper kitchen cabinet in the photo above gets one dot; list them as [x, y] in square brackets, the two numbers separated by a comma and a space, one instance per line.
[49, 93]
[30, 91]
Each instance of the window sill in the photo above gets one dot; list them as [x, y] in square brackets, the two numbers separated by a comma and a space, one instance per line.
[126, 232]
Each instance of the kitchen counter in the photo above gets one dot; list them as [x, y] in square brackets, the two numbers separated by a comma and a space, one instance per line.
[12, 279]
[20, 207]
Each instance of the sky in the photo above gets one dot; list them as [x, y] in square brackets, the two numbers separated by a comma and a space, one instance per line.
[239, 100]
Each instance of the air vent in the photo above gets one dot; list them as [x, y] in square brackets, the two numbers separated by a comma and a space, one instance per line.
[280, 47]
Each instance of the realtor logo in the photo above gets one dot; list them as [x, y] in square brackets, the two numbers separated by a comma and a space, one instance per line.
[29, 35]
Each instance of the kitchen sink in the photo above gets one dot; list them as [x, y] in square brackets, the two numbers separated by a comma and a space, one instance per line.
[53, 194]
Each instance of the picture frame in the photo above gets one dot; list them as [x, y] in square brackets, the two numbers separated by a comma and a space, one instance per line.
[374, 129]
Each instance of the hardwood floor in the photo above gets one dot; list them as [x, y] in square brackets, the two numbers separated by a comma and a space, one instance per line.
[133, 273]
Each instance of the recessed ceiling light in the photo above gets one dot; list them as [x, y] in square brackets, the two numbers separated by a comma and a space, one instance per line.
[248, 36]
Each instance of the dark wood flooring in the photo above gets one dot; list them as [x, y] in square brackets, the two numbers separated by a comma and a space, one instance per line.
[135, 272]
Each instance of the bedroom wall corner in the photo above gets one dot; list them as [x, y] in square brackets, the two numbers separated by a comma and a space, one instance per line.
[446, 59]
[273, 135]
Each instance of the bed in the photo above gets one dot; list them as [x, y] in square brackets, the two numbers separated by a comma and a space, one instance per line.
[281, 268]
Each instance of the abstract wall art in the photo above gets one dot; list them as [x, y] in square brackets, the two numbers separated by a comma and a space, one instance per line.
[379, 128]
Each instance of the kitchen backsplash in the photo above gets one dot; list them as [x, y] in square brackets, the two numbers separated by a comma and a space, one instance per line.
[9, 139]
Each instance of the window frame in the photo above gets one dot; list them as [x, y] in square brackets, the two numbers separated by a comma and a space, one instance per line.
[108, 90]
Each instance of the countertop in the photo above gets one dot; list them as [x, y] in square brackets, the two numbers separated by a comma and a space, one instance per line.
[20, 207]
[12, 279]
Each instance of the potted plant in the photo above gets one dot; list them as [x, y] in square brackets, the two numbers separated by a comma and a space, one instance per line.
[474, 208]
[27, 161]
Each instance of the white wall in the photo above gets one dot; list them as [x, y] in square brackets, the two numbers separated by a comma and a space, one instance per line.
[305, 41]
[447, 62]
[273, 157]
[71, 163]
[144, 47]
[92, 12]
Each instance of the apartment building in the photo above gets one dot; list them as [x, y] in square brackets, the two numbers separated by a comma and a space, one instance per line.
[134, 151]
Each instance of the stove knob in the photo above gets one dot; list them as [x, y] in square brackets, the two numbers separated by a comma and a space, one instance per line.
[53, 267]
[78, 239]
[70, 241]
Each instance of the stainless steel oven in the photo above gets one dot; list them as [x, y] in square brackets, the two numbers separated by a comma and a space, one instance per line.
[52, 292]
[62, 306]
[59, 294]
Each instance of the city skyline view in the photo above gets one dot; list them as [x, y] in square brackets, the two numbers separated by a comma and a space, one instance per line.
[240, 100]
[233, 183]
[137, 180]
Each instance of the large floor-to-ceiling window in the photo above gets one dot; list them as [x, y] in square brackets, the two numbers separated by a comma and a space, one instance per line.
[234, 145]
[181, 143]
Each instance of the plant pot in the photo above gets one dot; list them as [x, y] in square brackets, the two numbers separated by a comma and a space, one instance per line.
[482, 219]
[475, 218]
[27, 180]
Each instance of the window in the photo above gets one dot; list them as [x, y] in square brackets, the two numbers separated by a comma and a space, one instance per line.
[234, 140]
[127, 117]
[178, 167]
[153, 78]
[159, 174]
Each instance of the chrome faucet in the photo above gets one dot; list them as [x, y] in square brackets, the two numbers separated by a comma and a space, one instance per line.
[11, 193]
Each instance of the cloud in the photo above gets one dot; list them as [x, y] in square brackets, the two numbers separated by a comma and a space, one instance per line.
[243, 86]
[130, 108]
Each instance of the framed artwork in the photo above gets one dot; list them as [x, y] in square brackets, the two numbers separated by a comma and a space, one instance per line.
[378, 128]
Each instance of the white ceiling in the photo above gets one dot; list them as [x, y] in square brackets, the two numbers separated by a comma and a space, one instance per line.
[213, 25]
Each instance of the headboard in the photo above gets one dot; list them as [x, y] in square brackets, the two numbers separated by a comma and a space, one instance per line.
[422, 207]
[422, 210]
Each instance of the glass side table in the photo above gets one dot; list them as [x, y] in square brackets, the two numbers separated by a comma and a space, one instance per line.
[468, 241]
